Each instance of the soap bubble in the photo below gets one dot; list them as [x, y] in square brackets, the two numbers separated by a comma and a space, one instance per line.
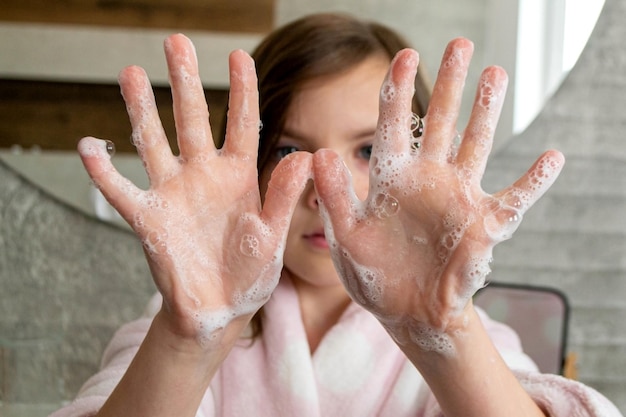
[385, 205]
[417, 126]
[110, 147]
[250, 246]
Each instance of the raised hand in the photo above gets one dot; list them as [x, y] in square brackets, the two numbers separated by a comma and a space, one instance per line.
[214, 253]
[417, 249]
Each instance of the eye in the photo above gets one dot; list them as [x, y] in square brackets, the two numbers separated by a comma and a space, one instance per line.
[365, 152]
[282, 151]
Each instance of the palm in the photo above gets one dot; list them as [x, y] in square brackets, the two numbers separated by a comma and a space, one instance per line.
[185, 219]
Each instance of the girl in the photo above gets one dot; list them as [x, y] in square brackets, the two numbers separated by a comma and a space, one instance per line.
[364, 275]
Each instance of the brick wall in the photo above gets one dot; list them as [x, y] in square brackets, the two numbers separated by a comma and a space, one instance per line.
[575, 237]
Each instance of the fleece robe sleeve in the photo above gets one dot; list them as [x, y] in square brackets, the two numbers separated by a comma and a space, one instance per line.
[115, 361]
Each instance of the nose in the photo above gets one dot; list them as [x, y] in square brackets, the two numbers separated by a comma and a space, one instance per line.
[310, 196]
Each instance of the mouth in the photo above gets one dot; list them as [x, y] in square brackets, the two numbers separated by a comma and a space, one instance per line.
[317, 239]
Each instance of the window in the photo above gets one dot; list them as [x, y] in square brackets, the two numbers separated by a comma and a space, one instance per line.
[551, 35]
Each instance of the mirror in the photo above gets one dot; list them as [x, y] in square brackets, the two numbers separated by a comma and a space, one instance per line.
[58, 52]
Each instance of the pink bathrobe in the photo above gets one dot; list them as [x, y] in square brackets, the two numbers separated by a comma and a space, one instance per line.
[357, 370]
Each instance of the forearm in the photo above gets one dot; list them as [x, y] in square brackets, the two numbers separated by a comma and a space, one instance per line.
[168, 375]
[467, 375]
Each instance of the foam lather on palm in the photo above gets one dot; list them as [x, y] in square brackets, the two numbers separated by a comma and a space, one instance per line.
[417, 249]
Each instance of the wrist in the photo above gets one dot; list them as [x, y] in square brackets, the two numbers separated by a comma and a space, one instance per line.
[465, 371]
[167, 362]
[459, 343]
[435, 335]
[190, 338]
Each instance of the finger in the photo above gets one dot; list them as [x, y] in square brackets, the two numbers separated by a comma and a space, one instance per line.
[478, 136]
[394, 134]
[148, 135]
[285, 188]
[121, 193]
[443, 109]
[522, 194]
[333, 184]
[242, 129]
[191, 113]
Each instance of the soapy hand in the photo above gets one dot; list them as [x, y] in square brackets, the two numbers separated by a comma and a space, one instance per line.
[417, 249]
[215, 255]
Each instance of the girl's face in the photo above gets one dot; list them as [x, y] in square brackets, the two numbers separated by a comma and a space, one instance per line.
[338, 113]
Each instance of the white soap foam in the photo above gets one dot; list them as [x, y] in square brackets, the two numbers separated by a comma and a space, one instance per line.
[92, 147]
[211, 322]
[249, 293]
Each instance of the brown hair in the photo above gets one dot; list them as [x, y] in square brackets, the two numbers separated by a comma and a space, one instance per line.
[309, 48]
[312, 47]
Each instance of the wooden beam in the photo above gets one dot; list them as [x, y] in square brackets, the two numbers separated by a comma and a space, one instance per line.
[242, 16]
[54, 115]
